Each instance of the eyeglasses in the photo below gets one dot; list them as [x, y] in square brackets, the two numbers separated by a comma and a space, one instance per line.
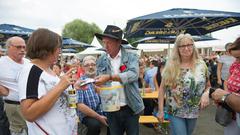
[19, 47]
[88, 65]
[185, 46]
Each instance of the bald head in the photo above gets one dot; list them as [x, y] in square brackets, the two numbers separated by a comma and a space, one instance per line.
[12, 40]
[16, 48]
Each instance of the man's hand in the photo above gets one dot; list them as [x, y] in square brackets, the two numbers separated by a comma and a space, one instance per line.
[100, 80]
[218, 93]
[103, 119]
[4, 91]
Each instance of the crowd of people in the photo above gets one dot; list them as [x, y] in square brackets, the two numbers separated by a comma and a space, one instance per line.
[36, 87]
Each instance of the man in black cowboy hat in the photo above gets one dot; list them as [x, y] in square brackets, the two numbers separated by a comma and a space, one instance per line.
[120, 67]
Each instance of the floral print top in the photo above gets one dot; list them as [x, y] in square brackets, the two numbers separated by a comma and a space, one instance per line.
[183, 101]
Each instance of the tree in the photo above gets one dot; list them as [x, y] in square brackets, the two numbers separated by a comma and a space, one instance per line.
[80, 30]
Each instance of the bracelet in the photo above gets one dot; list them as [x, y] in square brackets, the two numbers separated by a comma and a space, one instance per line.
[224, 103]
[224, 97]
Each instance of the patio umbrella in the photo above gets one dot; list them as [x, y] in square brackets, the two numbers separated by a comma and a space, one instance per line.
[10, 30]
[69, 50]
[71, 43]
[178, 20]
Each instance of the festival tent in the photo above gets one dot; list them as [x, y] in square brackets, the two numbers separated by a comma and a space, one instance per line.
[94, 50]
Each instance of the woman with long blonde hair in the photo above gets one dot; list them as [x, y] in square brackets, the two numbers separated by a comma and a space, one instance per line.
[185, 83]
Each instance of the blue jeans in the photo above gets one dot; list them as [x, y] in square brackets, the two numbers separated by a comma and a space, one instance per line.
[122, 121]
[182, 126]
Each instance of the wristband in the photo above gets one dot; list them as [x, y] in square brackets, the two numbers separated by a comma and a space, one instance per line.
[224, 103]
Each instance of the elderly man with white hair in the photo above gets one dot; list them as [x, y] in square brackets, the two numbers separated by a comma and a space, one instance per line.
[11, 65]
[90, 112]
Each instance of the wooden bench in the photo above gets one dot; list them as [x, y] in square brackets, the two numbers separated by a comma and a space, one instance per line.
[150, 119]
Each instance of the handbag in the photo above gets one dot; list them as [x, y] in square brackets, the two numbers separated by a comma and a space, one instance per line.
[223, 116]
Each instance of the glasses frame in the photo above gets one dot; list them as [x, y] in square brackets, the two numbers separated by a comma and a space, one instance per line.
[88, 65]
[19, 47]
[186, 46]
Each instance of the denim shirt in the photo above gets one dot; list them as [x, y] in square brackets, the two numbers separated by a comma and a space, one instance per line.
[129, 78]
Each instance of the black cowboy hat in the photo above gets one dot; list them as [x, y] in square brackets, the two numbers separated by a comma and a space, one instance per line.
[112, 32]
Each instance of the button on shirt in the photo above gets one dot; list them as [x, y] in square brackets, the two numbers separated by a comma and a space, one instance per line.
[115, 64]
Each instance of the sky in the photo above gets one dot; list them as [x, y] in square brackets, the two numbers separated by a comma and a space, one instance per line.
[54, 14]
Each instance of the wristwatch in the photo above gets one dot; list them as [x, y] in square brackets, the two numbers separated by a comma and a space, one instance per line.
[223, 99]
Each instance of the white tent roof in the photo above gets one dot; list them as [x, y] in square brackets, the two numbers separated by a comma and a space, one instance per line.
[96, 43]
[214, 44]
[91, 50]
[153, 47]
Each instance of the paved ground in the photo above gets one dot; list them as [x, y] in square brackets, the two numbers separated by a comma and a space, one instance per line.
[206, 125]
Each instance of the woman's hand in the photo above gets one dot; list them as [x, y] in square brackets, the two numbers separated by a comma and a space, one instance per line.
[67, 79]
[160, 116]
[204, 101]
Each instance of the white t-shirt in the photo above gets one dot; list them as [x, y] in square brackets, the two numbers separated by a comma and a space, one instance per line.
[115, 63]
[60, 119]
[9, 74]
[227, 61]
